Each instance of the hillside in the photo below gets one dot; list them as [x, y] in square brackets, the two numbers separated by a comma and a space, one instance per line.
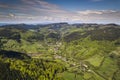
[108, 33]
[60, 51]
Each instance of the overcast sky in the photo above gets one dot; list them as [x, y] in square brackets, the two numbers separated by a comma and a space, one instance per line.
[72, 11]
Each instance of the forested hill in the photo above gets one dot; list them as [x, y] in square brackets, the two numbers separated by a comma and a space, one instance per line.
[60, 51]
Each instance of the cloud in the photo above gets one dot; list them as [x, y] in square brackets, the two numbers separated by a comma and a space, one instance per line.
[99, 12]
[40, 3]
[86, 12]
[42, 11]
[11, 15]
[98, 16]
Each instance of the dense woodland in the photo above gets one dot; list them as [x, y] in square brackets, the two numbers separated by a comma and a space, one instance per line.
[60, 51]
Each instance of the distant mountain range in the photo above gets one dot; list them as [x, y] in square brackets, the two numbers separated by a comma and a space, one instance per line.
[62, 23]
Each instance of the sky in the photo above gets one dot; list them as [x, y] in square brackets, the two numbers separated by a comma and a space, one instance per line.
[71, 11]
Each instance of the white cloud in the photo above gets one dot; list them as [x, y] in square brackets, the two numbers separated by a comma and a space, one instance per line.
[86, 12]
[64, 16]
[99, 12]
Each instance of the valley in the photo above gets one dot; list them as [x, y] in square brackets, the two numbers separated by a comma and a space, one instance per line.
[60, 51]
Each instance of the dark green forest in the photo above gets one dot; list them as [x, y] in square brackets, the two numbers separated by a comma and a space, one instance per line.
[60, 51]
